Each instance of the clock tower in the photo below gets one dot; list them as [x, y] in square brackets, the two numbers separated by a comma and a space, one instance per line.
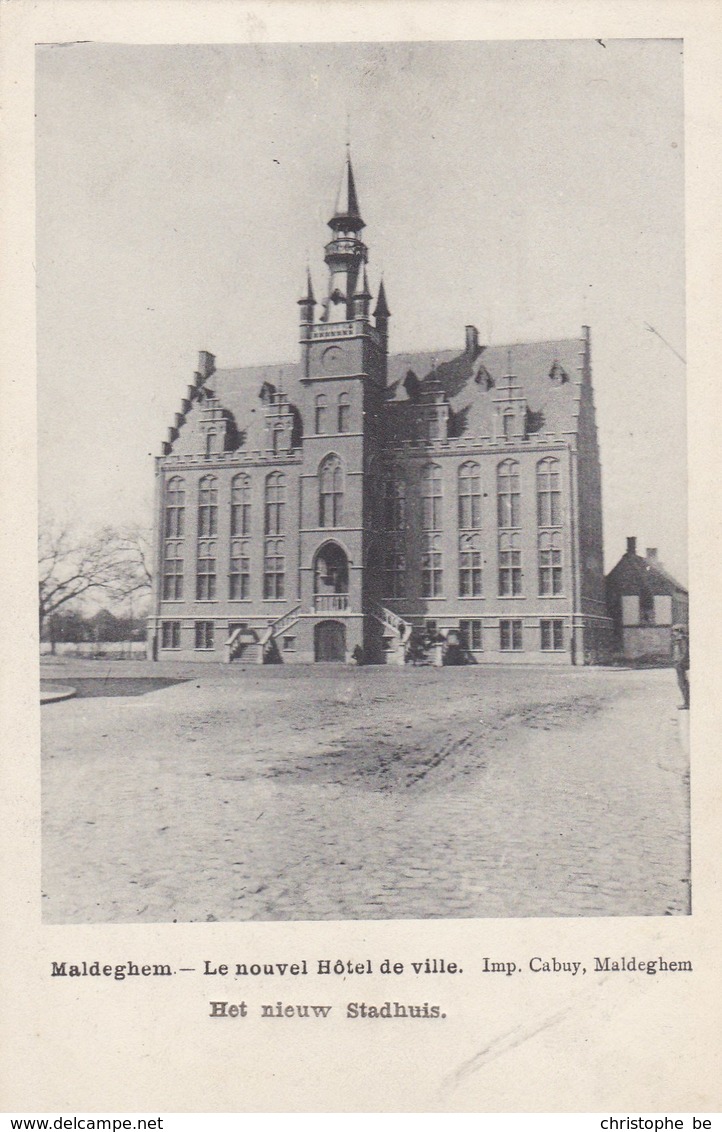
[343, 368]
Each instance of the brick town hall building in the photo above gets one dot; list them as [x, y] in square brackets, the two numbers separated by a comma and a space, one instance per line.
[325, 509]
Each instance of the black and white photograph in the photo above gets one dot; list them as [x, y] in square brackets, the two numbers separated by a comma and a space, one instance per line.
[363, 587]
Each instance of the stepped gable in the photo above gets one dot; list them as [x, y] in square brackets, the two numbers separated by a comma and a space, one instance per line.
[548, 374]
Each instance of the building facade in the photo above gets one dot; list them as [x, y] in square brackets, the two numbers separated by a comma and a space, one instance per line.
[335, 508]
[644, 602]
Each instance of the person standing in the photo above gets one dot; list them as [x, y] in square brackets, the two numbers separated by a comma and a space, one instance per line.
[680, 656]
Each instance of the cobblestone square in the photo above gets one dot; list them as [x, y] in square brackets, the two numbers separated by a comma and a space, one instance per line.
[329, 792]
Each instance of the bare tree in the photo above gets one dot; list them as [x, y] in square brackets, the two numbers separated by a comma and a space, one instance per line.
[70, 567]
[135, 549]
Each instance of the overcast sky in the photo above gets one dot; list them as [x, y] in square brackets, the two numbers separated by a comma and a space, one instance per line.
[527, 188]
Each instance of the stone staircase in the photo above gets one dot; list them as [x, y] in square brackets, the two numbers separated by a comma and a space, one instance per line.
[396, 633]
[254, 645]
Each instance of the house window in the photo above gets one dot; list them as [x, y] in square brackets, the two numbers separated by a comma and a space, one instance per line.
[173, 572]
[469, 565]
[275, 503]
[210, 443]
[469, 497]
[278, 445]
[239, 578]
[394, 505]
[508, 494]
[241, 505]
[510, 639]
[321, 413]
[432, 569]
[550, 563]
[508, 424]
[206, 571]
[330, 493]
[289, 644]
[274, 567]
[204, 634]
[344, 412]
[510, 576]
[170, 634]
[431, 498]
[470, 635]
[393, 572]
[207, 507]
[548, 493]
[552, 635]
[174, 508]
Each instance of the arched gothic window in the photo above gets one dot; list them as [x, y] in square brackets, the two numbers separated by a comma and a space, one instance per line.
[394, 516]
[508, 494]
[431, 498]
[550, 563]
[344, 411]
[330, 497]
[175, 498]
[321, 413]
[469, 497]
[207, 507]
[241, 505]
[275, 503]
[548, 492]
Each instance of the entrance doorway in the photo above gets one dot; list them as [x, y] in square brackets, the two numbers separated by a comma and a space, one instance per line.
[330, 641]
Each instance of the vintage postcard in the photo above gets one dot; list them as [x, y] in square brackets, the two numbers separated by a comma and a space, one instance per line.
[363, 753]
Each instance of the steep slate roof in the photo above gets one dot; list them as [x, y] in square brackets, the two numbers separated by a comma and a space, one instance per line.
[473, 381]
[634, 574]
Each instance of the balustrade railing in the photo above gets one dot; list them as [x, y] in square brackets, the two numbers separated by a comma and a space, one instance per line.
[330, 603]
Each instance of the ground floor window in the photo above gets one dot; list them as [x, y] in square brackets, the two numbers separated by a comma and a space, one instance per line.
[552, 635]
[470, 636]
[510, 638]
[289, 644]
[204, 635]
[170, 635]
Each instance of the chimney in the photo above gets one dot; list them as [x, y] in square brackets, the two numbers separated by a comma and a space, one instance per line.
[206, 363]
[631, 546]
[472, 341]
[652, 553]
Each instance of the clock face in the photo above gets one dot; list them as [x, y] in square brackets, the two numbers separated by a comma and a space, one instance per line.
[332, 358]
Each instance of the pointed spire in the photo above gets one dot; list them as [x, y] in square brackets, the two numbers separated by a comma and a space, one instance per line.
[382, 309]
[346, 213]
[309, 296]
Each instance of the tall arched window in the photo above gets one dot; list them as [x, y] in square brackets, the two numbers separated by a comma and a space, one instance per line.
[469, 565]
[550, 563]
[508, 494]
[207, 507]
[321, 413]
[431, 498]
[469, 497]
[394, 515]
[548, 493]
[275, 503]
[509, 564]
[330, 497]
[274, 567]
[344, 411]
[175, 499]
[241, 505]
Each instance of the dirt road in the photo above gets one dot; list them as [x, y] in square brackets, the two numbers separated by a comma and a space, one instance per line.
[378, 793]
